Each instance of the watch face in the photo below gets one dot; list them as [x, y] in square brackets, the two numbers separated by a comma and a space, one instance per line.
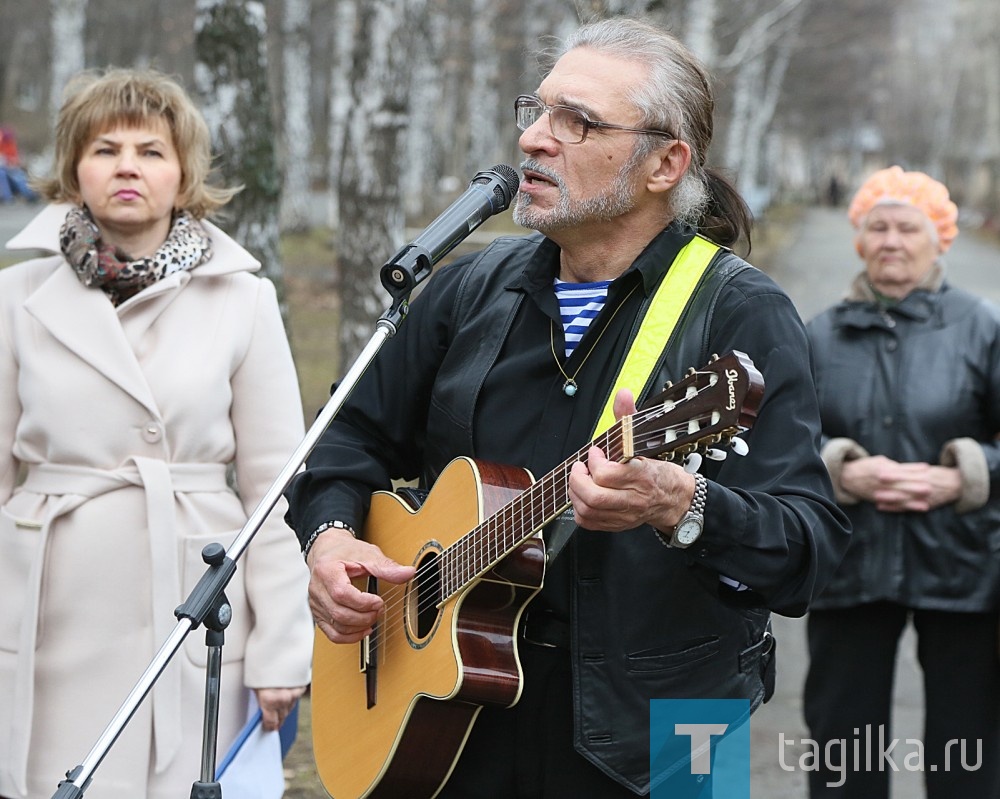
[688, 531]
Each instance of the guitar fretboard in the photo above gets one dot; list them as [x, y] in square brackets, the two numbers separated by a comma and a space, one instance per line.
[708, 406]
[482, 548]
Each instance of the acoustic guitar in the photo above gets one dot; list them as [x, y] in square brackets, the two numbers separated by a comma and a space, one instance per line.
[391, 714]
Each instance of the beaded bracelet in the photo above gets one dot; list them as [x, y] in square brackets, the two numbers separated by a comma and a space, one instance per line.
[322, 529]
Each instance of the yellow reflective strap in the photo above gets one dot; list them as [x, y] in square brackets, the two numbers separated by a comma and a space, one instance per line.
[672, 296]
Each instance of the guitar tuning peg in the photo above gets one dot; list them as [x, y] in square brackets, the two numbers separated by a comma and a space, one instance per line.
[740, 446]
[692, 463]
[714, 454]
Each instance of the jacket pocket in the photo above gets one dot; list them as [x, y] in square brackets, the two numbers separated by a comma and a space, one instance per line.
[192, 569]
[20, 546]
[662, 659]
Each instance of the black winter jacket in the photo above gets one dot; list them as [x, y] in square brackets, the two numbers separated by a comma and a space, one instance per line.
[473, 374]
[916, 382]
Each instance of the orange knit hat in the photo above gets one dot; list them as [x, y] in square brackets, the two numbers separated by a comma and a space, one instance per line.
[893, 185]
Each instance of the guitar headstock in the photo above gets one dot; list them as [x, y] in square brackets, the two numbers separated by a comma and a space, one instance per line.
[707, 408]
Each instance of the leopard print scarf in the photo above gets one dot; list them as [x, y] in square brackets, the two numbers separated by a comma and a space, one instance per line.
[115, 272]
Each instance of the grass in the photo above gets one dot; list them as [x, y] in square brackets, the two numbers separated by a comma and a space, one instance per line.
[301, 779]
[313, 313]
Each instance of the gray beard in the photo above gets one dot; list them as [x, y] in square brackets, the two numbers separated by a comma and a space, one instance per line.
[615, 201]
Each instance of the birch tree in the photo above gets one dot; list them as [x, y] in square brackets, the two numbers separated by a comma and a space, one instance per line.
[833, 92]
[69, 19]
[297, 128]
[345, 24]
[371, 222]
[699, 29]
[231, 79]
[429, 124]
[758, 61]
[483, 125]
[455, 68]
[588, 10]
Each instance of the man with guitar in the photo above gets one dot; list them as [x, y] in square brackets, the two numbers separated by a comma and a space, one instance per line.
[445, 664]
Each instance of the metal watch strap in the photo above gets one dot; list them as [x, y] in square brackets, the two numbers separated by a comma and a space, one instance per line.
[700, 495]
[697, 509]
[335, 525]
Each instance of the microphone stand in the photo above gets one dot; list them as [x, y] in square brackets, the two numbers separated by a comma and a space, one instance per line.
[207, 603]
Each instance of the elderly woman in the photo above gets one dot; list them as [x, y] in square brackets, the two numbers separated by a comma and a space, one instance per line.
[908, 374]
[139, 363]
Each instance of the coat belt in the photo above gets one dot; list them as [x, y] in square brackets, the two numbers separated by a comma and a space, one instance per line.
[71, 486]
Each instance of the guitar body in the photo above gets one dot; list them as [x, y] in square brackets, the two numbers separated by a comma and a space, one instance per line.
[395, 726]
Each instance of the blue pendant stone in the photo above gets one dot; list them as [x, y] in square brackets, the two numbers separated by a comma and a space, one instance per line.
[569, 388]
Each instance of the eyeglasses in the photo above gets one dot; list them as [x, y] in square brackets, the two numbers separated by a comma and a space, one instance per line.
[569, 125]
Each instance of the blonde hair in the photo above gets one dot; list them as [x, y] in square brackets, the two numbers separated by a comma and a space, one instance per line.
[96, 102]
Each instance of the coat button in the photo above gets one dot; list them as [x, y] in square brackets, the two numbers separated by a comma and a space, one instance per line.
[152, 432]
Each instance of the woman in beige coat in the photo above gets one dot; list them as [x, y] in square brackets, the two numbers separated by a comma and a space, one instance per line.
[139, 364]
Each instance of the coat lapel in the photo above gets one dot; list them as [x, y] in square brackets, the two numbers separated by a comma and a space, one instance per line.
[103, 338]
[86, 323]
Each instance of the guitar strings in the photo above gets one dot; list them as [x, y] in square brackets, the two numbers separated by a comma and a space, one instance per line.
[516, 512]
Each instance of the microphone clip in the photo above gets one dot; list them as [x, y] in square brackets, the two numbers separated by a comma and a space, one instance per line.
[490, 192]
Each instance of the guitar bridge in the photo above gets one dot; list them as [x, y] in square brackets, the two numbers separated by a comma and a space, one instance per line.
[369, 654]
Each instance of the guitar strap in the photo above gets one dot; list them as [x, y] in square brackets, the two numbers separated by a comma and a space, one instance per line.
[656, 328]
[659, 322]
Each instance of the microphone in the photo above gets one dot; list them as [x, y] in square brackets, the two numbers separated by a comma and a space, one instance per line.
[490, 192]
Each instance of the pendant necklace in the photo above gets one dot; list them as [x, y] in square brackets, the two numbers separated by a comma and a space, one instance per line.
[570, 387]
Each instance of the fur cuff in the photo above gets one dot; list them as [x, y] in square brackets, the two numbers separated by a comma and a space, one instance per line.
[836, 452]
[967, 455]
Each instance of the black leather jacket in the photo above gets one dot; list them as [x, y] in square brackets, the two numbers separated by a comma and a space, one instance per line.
[917, 382]
[471, 373]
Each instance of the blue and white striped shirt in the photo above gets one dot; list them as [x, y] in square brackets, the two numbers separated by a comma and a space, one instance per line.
[579, 304]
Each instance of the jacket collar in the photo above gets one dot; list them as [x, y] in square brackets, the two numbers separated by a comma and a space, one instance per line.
[861, 289]
[862, 309]
[651, 264]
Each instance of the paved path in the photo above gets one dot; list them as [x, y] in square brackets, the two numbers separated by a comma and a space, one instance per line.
[815, 267]
[13, 217]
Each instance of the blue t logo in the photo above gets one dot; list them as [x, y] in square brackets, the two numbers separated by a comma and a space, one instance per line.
[699, 748]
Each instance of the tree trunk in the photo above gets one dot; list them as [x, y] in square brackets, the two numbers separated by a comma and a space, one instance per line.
[484, 122]
[69, 19]
[699, 29]
[424, 163]
[297, 194]
[340, 98]
[231, 79]
[371, 224]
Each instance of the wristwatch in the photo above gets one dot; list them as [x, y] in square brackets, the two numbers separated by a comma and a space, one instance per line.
[688, 529]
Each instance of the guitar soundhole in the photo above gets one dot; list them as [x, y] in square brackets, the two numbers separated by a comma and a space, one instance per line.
[424, 597]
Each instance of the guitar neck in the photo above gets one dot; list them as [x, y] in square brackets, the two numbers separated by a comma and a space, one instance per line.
[479, 550]
[707, 408]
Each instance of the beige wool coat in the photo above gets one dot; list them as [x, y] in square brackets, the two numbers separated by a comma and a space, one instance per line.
[117, 427]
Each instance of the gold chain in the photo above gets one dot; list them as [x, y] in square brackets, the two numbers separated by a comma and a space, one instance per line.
[570, 387]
